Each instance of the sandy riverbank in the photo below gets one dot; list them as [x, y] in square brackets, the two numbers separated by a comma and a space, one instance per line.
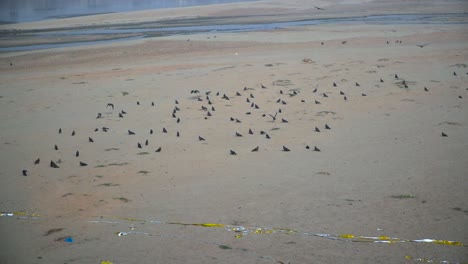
[383, 168]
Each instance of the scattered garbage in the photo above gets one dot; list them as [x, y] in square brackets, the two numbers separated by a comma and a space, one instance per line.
[68, 239]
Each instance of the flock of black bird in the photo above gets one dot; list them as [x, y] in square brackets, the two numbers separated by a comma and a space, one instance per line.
[207, 102]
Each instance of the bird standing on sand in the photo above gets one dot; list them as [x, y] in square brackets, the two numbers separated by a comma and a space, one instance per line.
[90, 140]
[131, 132]
[285, 149]
[53, 165]
[232, 152]
[77, 153]
[37, 161]
[255, 149]
[82, 164]
[111, 105]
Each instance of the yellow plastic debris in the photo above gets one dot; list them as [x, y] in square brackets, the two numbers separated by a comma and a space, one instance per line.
[106, 262]
[347, 236]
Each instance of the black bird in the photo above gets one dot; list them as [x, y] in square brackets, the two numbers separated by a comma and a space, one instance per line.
[203, 108]
[345, 98]
[444, 135]
[217, 94]
[364, 94]
[213, 109]
[317, 129]
[123, 112]
[232, 119]
[176, 108]
[82, 164]
[238, 134]
[139, 145]
[262, 132]
[238, 94]
[178, 134]
[53, 165]
[381, 80]
[146, 143]
[73, 132]
[238, 121]
[152, 103]
[248, 113]
[251, 96]
[90, 140]
[284, 120]
[199, 99]
[111, 105]
[334, 84]
[255, 149]
[279, 110]
[267, 136]
[37, 161]
[279, 100]
[60, 131]
[247, 100]
[77, 153]
[252, 104]
[317, 102]
[281, 92]
[200, 138]
[396, 76]
[232, 152]
[96, 129]
[341, 93]
[422, 46]
[25, 173]
[120, 115]
[256, 106]
[263, 86]
[319, 8]
[105, 129]
[316, 149]
[208, 114]
[131, 132]
[274, 117]
[307, 147]
[315, 90]
[55, 147]
[250, 131]
[178, 120]
[325, 95]
[158, 150]
[454, 74]
[327, 127]
[460, 97]
[225, 97]
[151, 131]
[286, 149]
[99, 115]
[425, 89]
[357, 84]
[138, 102]
[164, 130]
[283, 102]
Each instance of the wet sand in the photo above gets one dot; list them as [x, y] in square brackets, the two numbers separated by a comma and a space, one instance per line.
[383, 168]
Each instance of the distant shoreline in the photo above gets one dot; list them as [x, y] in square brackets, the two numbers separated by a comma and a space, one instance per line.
[48, 38]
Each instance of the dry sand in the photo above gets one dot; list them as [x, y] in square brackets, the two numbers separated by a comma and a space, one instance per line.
[383, 170]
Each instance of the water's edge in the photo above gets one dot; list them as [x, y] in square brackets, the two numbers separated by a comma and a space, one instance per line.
[214, 25]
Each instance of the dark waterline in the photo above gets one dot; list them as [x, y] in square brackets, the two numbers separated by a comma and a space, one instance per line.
[16, 11]
[146, 31]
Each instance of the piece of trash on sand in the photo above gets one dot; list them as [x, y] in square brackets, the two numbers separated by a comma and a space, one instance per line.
[68, 239]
